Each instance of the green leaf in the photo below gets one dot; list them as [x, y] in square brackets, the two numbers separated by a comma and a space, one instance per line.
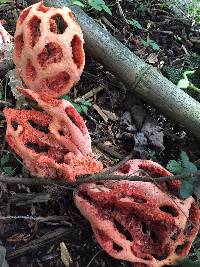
[144, 42]
[84, 102]
[183, 83]
[78, 3]
[186, 189]
[77, 107]
[155, 46]
[184, 159]
[135, 23]
[9, 170]
[186, 163]
[4, 1]
[67, 97]
[4, 159]
[174, 166]
[188, 263]
[150, 42]
[84, 108]
[197, 252]
[99, 5]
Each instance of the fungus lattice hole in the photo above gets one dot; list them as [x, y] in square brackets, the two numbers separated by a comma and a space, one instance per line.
[144, 227]
[71, 113]
[61, 132]
[30, 71]
[169, 209]
[34, 27]
[175, 235]
[146, 258]
[37, 148]
[188, 228]
[52, 53]
[58, 82]
[138, 199]
[121, 229]
[43, 8]
[161, 257]
[153, 235]
[41, 128]
[24, 14]
[14, 125]
[152, 171]
[125, 169]
[58, 24]
[180, 250]
[19, 44]
[77, 51]
[117, 247]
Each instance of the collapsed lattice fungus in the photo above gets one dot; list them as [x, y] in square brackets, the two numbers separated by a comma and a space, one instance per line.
[54, 143]
[48, 49]
[140, 222]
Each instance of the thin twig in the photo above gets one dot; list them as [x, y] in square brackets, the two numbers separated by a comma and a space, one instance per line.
[93, 258]
[36, 181]
[105, 176]
[94, 178]
[38, 219]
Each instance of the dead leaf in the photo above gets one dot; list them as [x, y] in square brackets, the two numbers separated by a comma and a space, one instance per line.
[152, 58]
[153, 133]
[65, 256]
[111, 115]
[101, 113]
[14, 81]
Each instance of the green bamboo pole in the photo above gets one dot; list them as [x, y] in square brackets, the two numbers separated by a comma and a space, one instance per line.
[137, 76]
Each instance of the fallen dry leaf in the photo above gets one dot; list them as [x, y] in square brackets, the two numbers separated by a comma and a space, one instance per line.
[65, 256]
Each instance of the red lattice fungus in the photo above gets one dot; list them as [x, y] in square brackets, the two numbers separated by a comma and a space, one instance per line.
[53, 41]
[143, 223]
[53, 144]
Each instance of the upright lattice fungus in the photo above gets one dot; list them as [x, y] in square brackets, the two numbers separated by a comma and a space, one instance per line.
[48, 50]
[143, 223]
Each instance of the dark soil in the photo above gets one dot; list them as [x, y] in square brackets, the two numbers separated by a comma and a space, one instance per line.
[128, 117]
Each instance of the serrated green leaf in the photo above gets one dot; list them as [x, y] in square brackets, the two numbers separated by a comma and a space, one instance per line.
[183, 83]
[78, 3]
[186, 189]
[174, 167]
[4, 159]
[99, 5]
[9, 170]
[135, 23]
